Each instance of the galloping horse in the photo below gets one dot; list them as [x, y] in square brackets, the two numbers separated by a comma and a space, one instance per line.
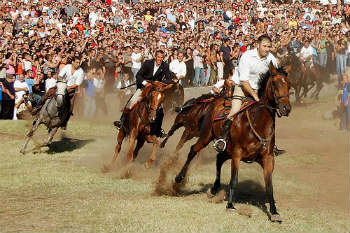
[193, 112]
[53, 113]
[174, 97]
[252, 135]
[137, 125]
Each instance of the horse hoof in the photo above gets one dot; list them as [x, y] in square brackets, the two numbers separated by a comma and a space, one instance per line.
[22, 152]
[148, 164]
[211, 193]
[276, 218]
[179, 179]
[105, 169]
[162, 145]
[231, 209]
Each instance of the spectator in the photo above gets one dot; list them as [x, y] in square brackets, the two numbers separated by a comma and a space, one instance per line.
[8, 97]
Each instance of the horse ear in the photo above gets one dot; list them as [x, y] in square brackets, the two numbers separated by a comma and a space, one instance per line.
[272, 68]
[287, 69]
[168, 86]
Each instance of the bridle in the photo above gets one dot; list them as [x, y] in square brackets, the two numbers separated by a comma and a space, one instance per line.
[276, 98]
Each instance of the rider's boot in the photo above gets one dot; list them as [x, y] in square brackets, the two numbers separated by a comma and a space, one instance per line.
[120, 123]
[220, 143]
[277, 152]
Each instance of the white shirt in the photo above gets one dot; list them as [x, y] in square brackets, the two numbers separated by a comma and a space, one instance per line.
[72, 79]
[197, 59]
[98, 82]
[179, 68]
[19, 84]
[220, 84]
[251, 66]
[27, 65]
[305, 52]
[49, 83]
[134, 58]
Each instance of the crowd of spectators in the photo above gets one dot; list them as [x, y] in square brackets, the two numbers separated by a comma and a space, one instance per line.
[202, 40]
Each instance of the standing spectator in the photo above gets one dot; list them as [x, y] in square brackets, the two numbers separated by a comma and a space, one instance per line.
[340, 49]
[99, 83]
[21, 88]
[188, 80]
[90, 102]
[8, 97]
[136, 58]
[345, 106]
[198, 66]
[178, 66]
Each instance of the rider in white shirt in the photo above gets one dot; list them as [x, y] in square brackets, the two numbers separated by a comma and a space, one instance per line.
[252, 64]
[306, 53]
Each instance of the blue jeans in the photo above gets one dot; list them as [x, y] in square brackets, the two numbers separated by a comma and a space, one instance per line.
[340, 63]
[205, 80]
[322, 59]
[89, 106]
[345, 118]
[198, 76]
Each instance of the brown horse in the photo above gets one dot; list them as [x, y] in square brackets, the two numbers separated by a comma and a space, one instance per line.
[139, 124]
[252, 135]
[193, 112]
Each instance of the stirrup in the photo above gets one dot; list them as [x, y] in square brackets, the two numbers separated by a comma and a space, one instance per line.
[220, 145]
[117, 124]
[162, 134]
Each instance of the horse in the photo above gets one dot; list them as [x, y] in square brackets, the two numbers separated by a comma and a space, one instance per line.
[251, 137]
[174, 97]
[192, 113]
[53, 113]
[139, 124]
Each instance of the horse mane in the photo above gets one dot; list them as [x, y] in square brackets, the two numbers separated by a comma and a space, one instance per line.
[264, 78]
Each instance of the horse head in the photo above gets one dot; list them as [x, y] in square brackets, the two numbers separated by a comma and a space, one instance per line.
[228, 88]
[61, 90]
[277, 90]
[155, 97]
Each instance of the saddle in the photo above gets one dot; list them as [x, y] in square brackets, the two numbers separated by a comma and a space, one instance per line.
[206, 98]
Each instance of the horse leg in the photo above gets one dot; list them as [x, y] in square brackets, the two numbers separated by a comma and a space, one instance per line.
[139, 145]
[30, 134]
[52, 134]
[233, 183]
[120, 138]
[152, 138]
[185, 137]
[199, 145]
[132, 141]
[220, 159]
[170, 133]
[268, 166]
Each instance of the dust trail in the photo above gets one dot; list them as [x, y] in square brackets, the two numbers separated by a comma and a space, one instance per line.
[165, 184]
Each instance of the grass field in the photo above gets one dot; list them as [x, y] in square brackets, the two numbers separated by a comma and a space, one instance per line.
[62, 188]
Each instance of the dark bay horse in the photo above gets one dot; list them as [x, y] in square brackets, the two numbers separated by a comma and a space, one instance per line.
[193, 112]
[174, 97]
[53, 113]
[137, 125]
[252, 135]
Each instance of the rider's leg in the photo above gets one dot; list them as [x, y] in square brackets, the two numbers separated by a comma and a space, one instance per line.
[158, 123]
[220, 144]
[132, 101]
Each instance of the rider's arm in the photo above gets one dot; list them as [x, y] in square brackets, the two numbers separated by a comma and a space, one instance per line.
[141, 73]
[244, 70]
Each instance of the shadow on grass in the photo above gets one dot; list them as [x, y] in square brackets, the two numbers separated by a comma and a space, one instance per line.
[247, 192]
[67, 145]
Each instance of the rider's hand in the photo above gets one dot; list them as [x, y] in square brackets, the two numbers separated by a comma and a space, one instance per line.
[148, 84]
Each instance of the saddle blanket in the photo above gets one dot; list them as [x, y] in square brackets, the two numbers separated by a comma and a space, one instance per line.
[224, 112]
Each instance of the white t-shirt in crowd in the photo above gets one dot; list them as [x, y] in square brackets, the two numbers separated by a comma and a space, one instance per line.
[134, 58]
[19, 84]
[179, 68]
[305, 52]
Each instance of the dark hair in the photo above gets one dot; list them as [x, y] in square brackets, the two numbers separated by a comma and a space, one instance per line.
[159, 51]
[264, 37]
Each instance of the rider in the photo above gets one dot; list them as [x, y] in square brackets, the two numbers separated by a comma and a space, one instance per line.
[151, 70]
[75, 76]
[252, 64]
[306, 54]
